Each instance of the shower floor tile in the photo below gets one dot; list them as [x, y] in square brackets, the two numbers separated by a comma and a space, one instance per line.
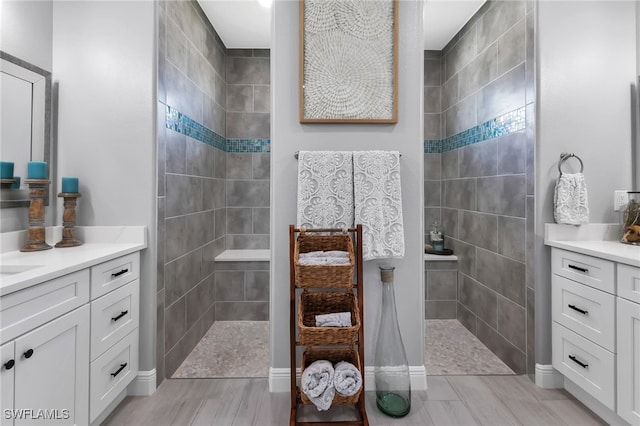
[229, 349]
[451, 350]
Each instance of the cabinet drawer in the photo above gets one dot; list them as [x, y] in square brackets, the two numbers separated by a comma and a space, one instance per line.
[113, 316]
[592, 271]
[113, 274]
[629, 282]
[586, 364]
[584, 310]
[112, 372]
[27, 309]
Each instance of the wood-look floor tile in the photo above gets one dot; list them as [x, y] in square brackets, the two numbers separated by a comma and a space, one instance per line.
[572, 412]
[449, 413]
[485, 407]
[439, 389]
[486, 400]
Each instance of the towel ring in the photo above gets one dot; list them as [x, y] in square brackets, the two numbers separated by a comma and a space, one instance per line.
[565, 156]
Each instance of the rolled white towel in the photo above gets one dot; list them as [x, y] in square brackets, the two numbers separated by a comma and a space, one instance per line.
[317, 384]
[336, 319]
[347, 378]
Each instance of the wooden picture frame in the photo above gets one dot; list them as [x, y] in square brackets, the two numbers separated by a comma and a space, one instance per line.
[349, 61]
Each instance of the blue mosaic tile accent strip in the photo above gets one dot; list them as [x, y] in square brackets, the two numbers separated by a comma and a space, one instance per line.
[433, 146]
[510, 122]
[248, 145]
[180, 123]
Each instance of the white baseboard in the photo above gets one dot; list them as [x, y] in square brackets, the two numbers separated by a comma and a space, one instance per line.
[548, 378]
[144, 384]
[279, 378]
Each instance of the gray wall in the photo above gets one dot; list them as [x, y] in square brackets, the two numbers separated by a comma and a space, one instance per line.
[191, 181]
[290, 136]
[106, 125]
[483, 192]
[586, 65]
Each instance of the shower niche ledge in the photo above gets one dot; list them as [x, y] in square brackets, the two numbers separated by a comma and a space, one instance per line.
[244, 255]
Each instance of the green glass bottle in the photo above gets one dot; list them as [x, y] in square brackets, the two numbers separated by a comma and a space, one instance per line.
[391, 369]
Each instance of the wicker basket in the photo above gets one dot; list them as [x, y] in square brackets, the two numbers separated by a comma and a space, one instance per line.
[326, 276]
[334, 356]
[311, 304]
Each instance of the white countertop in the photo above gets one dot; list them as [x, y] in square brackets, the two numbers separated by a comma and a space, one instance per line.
[19, 270]
[592, 240]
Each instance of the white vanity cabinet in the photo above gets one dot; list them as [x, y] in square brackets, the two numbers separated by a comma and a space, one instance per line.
[628, 335]
[596, 327]
[69, 345]
[583, 329]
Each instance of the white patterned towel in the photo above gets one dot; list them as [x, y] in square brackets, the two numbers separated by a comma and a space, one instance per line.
[317, 384]
[347, 378]
[325, 189]
[570, 203]
[378, 203]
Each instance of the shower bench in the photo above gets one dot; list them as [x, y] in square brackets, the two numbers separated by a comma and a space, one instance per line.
[242, 285]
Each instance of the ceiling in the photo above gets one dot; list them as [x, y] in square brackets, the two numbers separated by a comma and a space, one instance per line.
[245, 24]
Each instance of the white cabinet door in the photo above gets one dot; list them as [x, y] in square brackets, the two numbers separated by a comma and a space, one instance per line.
[7, 369]
[628, 361]
[51, 375]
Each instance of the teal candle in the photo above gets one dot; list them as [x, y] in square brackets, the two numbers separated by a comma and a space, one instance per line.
[36, 170]
[69, 184]
[6, 170]
[16, 184]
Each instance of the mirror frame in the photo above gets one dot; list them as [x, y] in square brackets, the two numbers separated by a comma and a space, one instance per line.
[40, 148]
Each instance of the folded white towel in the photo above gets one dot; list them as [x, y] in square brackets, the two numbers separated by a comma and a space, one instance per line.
[317, 384]
[324, 261]
[347, 378]
[330, 253]
[336, 319]
[378, 203]
[570, 199]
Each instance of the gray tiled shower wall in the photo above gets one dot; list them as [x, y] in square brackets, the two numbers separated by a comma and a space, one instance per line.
[483, 193]
[208, 199]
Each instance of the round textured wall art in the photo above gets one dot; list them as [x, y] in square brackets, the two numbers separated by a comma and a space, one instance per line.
[348, 61]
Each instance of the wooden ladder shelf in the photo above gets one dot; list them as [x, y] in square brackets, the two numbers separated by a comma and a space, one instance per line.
[336, 339]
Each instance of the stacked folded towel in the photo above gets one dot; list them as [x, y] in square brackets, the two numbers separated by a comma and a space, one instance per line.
[332, 257]
[337, 319]
[321, 380]
[346, 378]
[328, 253]
[317, 384]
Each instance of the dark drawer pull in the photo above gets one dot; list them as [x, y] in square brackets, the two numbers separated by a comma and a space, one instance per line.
[123, 313]
[122, 366]
[9, 364]
[117, 274]
[581, 364]
[575, 308]
[28, 353]
[577, 268]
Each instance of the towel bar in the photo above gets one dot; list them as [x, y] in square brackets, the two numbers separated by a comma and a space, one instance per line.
[565, 156]
[295, 154]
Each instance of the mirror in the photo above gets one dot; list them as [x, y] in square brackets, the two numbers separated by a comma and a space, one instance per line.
[25, 123]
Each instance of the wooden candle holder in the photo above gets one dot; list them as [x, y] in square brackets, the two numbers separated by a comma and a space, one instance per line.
[69, 220]
[35, 233]
[7, 183]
